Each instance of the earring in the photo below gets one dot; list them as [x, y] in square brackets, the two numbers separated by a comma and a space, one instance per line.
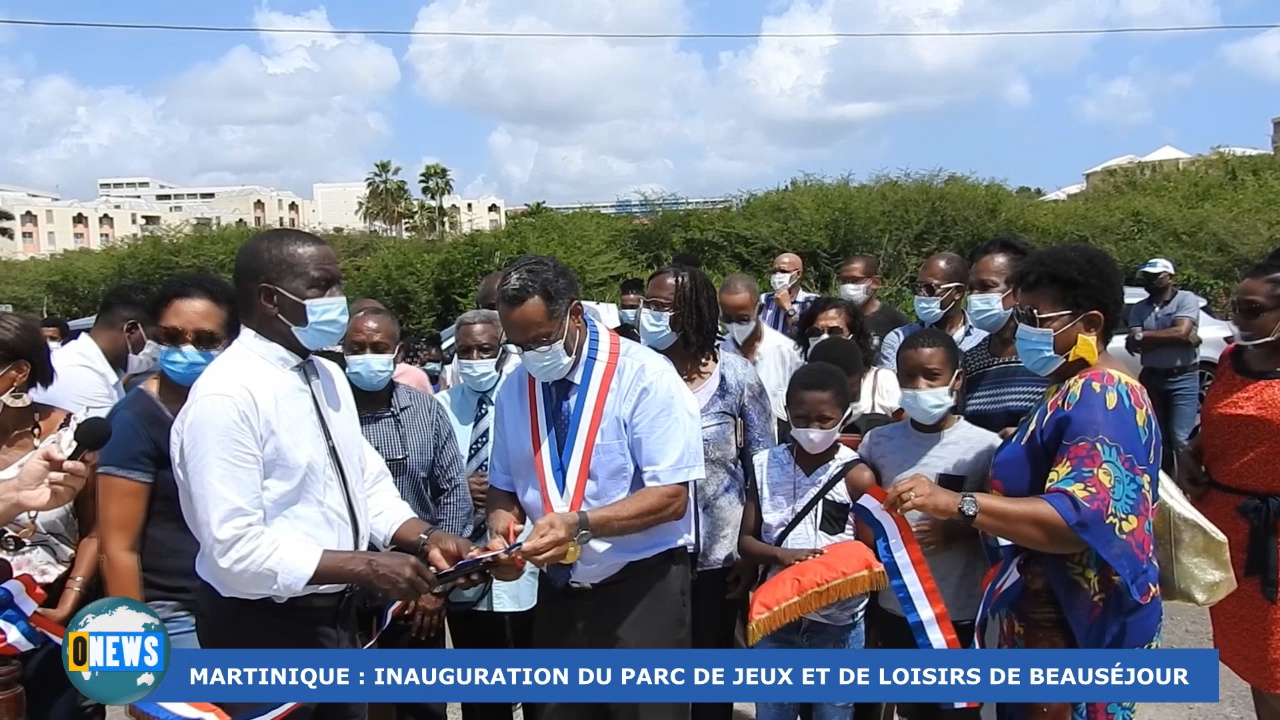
[16, 399]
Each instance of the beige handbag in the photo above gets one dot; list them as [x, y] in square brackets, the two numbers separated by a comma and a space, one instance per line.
[1195, 561]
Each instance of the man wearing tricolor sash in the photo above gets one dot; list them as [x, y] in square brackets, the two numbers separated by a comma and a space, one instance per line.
[597, 444]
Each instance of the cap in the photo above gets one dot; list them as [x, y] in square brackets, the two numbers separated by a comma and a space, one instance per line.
[1155, 266]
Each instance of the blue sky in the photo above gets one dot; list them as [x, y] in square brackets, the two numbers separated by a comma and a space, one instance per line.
[569, 120]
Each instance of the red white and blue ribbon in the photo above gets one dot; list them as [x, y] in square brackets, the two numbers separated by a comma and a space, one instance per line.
[210, 711]
[1000, 586]
[22, 628]
[562, 477]
[909, 576]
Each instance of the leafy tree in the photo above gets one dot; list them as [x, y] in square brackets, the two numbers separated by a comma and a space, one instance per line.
[436, 182]
[1210, 218]
[6, 217]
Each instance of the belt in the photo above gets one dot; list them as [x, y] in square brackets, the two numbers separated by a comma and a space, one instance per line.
[1170, 372]
[1261, 558]
[628, 571]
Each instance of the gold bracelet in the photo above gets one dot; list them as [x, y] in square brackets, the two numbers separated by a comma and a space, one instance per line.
[71, 588]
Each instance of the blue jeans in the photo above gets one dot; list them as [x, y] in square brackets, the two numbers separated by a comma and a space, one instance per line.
[179, 622]
[1176, 401]
[806, 633]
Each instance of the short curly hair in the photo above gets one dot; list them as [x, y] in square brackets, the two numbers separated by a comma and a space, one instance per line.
[1082, 278]
[854, 318]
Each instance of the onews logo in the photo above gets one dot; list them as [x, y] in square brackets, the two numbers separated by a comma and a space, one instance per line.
[116, 651]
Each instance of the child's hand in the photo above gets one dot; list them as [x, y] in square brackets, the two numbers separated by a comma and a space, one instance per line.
[787, 558]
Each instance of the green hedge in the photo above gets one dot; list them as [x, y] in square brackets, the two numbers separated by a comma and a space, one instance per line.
[1211, 219]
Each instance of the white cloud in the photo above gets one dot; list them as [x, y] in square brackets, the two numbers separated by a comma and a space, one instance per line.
[296, 109]
[1127, 100]
[593, 118]
[1258, 55]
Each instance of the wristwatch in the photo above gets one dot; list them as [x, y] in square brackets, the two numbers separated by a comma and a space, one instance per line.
[582, 538]
[1137, 337]
[968, 508]
[792, 312]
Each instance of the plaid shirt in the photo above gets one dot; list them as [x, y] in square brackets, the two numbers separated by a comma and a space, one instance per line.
[416, 439]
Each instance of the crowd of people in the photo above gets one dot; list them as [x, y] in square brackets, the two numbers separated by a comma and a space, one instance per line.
[272, 440]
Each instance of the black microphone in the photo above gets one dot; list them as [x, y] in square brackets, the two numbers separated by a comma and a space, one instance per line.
[90, 435]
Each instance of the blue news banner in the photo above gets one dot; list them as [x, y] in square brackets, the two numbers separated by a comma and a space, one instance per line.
[690, 676]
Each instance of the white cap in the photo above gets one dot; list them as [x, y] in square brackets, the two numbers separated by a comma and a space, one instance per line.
[1156, 266]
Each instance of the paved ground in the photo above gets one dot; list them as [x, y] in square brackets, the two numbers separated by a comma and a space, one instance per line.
[1185, 627]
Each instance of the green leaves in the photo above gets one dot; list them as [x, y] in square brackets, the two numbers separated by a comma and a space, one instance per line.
[1210, 218]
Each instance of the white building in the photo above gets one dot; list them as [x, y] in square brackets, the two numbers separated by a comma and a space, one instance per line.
[336, 205]
[45, 224]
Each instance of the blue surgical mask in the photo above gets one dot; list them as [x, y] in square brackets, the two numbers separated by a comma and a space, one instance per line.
[370, 372]
[433, 368]
[655, 329]
[930, 405]
[550, 363]
[479, 375]
[184, 365]
[1036, 351]
[629, 315]
[929, 309]
[327, 319]
[987, 311]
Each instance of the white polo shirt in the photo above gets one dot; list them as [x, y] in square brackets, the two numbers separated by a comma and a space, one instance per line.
[84, 382]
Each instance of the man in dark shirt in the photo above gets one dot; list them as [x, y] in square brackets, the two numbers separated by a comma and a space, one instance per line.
[860, 281]
[413, 434]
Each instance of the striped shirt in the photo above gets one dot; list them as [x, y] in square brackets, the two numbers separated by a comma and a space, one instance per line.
[998, 391]
[416, 439]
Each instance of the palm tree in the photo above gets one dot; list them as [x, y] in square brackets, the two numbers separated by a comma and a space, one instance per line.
[5, 217]
[385, 195]
[421, 219]
[536, 208]
[436, 182]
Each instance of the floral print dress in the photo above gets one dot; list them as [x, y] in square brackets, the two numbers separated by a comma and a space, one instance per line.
[1091, 449]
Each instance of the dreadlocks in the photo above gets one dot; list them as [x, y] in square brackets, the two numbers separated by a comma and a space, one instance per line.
[696, 312]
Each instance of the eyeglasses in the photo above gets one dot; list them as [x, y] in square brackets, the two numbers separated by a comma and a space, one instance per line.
[831, 331]
[931, 290]
[200, 339]
[657, 305]
[1031, 317]
[1249, 310]
[542, 346]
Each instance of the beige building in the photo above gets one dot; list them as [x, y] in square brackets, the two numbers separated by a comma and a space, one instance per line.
[336, 205]
[45, 224]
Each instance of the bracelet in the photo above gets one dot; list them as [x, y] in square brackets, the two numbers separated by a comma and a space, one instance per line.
[424, 538]
[73, 588]
[77, 578]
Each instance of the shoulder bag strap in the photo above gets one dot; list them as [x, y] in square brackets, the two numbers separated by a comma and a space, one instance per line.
[838, 477]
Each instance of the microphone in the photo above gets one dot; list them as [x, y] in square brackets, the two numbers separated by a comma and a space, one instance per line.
[90, 435]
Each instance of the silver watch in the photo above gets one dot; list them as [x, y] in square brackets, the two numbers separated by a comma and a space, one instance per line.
[968, 508]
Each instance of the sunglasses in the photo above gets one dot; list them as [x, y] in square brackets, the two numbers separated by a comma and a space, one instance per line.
[1248, 310]
[931, 290]
[200, 339]
[1031, 317]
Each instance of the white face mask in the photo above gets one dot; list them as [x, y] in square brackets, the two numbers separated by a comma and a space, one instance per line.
[550, 363]
[817, 440]
[145, 359]
[13, 397]
[54, 345]
[1239, 339]
[781, 280]
[855, 292]
[741, 331]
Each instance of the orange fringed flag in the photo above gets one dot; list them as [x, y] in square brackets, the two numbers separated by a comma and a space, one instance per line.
[846, 569]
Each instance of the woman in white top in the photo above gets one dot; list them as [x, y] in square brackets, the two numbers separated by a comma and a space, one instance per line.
[787, 477]
[57, 547]
[877, 399]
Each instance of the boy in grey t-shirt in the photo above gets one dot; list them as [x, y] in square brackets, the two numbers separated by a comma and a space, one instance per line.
[937, 443]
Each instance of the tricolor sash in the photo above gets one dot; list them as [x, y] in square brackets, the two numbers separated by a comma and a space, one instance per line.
[909, 575]
[209, 711]
[1000, 586]
[21, 627]
[562, 476]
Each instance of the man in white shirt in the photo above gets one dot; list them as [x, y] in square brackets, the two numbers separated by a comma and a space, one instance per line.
[486, 299]
[774, 355]
[89, 371]
[612, 520]
[276, 480]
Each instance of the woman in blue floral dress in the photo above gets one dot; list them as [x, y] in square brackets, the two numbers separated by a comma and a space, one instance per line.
[680, 319]
[1074, 490]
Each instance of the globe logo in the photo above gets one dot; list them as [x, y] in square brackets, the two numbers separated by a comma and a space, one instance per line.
[115, 651]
